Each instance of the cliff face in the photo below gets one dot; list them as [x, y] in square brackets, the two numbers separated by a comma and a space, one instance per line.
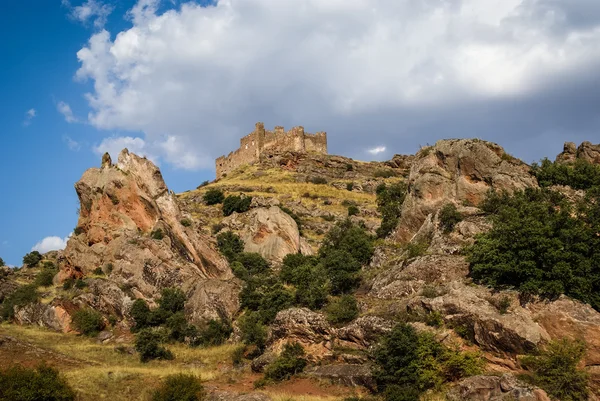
[130, 225]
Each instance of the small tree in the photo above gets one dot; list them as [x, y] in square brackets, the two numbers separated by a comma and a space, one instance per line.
[213, 197]
[230, 245]
[239, 204]
[353, 210]
[449, 217]
[2, 262]
[140, 312]
[32, 259]
[18, 383]
[148, 345]
[342, 310]
[289, 363]
[216, 332]
[180, 387]
[88, 322]
[555, 370]
[172, 300]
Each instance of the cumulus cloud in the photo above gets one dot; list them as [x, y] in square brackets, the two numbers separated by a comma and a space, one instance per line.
[91, 10]
[398, 72]
[51, 244]
[64, 109]
[114, 145]
[29, 116]
[376, 150]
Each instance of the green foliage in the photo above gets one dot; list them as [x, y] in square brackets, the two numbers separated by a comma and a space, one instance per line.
[540, 244]
[177, 327]
[449, 217]
[216, 332]
[32, 259]
[252, 331]
[384, 174]
[239, 204]
[230, 245]
[180, 387]
[555, 370]
[353, 211]
[434, 319]
[318, 180]
[213, 197]
[350, 186]
[580, 175]
[2, 262]
[342, 270]
[157, 234]
[68, 284]
[140, 312]
[308, 277]
[80, 284]
[45, 277]
[88, 322]
[349, 167]
[503, 304]
[186, 222]
[254, 263]
[289, 363]
[172, 300]
[409, 363]
[237, 356]
[350, 238]
[292, 268]
[148, 345]
[98, 271]
[23, 295]
[43, 383]
[342, 310]
[389, 204]
[78, 230]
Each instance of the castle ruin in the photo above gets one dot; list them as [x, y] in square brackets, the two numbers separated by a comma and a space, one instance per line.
[262, 142]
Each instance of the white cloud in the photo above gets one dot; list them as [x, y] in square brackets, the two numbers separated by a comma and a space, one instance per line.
[91, 10]
[51, 244]
[29, 116]
[376, 150]
[201, 76]
[64, 109]
[71, 143]
[114, 146]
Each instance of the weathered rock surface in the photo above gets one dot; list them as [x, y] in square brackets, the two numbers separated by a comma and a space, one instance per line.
[514, 332]
[55, 316]
[345, 375]
[259, 364]
[301, 325]
[364, 331]
[494, 388]
[459, 171]
[269, 232]
[586, 151]
[227, 396]
[122, 206]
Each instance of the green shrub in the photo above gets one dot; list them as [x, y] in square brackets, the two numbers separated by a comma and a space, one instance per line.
[252, 331]
[416, 249]
[186, 222]
[32, 259]
[580, 175]
[68, 284]
[88, 322]
[140, 312]
[230, 245]
[449, 217]
[289, 363]
[539, 244]
[98, 271]
[342, 310]
[504, 304]
[80, 284]
[180, 387]
[203, 184]
[109, 268]
[384, 173]
[350, 186]
[239, 204]
[349, 167]
[342, 270]
[23, 295]
[434, 319]
[351, 238]
[254, 263]
[216, 228]
[172, 300]
[555, 370]
[237, 356]
[78, 230]
[389, 204]
[353, 211]
[178, 327]
[148, 345]
[45, 383]
[157, 234]
[45, 277]
[318, 180]
[429, 291]
[293, 268]
[216, 332]
[2, 262]
[213, 197]
[409, 363]
[328, 217]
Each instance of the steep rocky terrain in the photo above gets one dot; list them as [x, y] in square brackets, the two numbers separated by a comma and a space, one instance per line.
[135, 238]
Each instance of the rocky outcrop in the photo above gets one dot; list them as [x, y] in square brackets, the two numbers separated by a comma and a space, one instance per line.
[513, 332]
[494, 388]
[55, 316]
[130, 225]
[586, 151]
[227, 396]
[364, 331]
[346, 375]
[269, 232]
[459, 171]
[309, 329]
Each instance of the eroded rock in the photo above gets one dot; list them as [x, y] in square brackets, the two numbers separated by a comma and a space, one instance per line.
[494, 388]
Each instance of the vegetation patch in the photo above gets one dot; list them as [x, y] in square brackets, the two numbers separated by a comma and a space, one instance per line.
[182, 387]
[234, 203]
[580, 175]
[449, 217]
[18, 383]
[88, 322]
[213, 197]
[389, 205]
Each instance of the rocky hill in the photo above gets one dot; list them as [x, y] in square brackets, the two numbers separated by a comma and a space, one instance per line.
[344, 259]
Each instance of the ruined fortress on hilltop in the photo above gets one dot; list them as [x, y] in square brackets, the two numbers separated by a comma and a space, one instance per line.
[262, 142]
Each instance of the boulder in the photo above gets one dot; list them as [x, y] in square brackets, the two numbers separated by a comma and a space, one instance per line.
[459, 171]
[586, 151]
[346, 375]
[494, 388]
[55, 316]
[364, 331]
[269, 232]
[259, 364]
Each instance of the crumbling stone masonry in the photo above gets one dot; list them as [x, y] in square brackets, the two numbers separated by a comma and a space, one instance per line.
[261, 142]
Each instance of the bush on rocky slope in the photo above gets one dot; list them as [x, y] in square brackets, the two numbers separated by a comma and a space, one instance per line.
[389, 204]
[541, 244]
[180, 387]
[88, 322]
[580, 175]
[18, 383]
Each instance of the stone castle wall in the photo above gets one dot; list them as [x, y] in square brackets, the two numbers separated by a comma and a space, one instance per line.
[261, 142]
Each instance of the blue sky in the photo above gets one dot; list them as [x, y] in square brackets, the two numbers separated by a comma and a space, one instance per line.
[181, 81]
